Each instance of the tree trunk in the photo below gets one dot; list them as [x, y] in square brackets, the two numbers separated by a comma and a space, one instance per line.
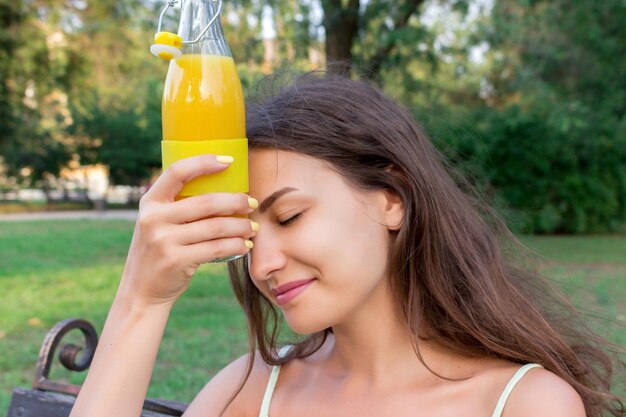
[341, 26]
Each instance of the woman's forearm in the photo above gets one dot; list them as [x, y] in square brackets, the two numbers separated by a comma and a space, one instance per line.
[122, 366]
[171, 239]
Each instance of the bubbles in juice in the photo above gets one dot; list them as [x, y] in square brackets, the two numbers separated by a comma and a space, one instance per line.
[203, 99]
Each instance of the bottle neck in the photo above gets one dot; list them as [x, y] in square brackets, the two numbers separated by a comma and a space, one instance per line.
[194, 18]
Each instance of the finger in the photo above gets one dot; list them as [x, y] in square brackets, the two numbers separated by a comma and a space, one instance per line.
[215, 228]
[171, 181]
[205, 252]
[202, 206]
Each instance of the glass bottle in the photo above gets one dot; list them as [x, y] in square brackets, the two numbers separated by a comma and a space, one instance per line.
[203, 105]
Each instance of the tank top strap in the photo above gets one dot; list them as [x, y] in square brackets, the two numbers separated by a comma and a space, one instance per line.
[271, 384]
[509, 387]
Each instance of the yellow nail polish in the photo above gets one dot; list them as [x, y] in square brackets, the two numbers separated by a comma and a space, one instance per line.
[249, 244]
[224, 159]
[253, 203]
[255, 226]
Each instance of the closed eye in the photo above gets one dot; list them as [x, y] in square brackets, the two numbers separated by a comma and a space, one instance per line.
[290, 220]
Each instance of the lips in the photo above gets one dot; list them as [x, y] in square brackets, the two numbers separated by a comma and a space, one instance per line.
[287, 292]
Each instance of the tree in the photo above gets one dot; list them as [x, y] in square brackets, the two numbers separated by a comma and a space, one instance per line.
[556, 121]
[365, 32]
[561, 50]
[37, 69]
[83, 91]
[11, 17]
[117, 112]
[125, 136]
[343, 23]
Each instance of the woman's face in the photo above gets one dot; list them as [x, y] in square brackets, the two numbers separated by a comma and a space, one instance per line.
[321, 251]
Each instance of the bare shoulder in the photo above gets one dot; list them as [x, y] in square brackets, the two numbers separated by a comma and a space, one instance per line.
[217, 393]
[541, 393]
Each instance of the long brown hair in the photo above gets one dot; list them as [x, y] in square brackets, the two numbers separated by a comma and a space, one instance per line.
[454, 267]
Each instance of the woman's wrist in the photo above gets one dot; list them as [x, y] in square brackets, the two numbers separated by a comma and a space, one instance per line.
[128, 301]
[132, 300]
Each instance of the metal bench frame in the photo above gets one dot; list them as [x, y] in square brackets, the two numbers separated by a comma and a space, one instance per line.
[49, 398]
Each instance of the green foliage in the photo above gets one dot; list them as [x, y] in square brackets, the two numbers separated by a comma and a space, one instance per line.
[244, 39]
[566, 182]
[128, 134]
[556, 124]
[541, 178]
[10, 17]
[31, 105]
[89, 91]
[540, 125]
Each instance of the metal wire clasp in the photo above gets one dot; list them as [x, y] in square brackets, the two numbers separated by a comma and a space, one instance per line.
[172, 3]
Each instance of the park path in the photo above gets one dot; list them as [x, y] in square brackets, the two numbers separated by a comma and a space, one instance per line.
[71, 215]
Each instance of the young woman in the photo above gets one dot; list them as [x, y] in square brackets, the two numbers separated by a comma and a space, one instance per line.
[404, 285]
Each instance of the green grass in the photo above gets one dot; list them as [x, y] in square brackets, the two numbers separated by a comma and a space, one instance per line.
[50, 271]
[591, 270]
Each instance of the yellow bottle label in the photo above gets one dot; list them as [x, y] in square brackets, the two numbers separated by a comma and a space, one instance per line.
[233, 179]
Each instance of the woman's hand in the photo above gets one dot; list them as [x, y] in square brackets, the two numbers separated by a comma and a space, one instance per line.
[173, 238]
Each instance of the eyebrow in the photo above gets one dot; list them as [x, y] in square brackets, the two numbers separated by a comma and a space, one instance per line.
[267, 203]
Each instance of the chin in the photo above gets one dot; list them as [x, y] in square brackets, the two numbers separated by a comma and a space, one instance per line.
[303, 326]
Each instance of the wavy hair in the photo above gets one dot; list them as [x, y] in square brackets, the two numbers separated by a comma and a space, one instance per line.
[454, 267]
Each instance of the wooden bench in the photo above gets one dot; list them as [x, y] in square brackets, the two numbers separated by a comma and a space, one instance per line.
[49, 398]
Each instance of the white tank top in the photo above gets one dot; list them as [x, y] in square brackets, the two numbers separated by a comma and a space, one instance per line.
[271, 385]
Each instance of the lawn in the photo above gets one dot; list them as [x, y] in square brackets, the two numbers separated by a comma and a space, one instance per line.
[50, 271]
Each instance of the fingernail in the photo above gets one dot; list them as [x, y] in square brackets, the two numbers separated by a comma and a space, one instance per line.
[253, 203]
[255, 226]
[249, 244]
[224, 159]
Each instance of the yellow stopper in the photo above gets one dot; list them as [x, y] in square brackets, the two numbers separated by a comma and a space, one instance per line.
[168, 38]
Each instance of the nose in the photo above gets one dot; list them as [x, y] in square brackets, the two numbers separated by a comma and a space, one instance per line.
[267, 256]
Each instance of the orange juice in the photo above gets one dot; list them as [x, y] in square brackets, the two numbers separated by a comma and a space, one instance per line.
[203, 99]
[203, 113]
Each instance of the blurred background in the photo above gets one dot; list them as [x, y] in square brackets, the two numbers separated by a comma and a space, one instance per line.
[526, 97]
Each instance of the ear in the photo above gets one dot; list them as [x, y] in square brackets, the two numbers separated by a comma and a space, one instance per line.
[394, 210]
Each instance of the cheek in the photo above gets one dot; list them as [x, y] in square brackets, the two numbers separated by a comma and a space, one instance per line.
[349, 253]
[347, 244]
